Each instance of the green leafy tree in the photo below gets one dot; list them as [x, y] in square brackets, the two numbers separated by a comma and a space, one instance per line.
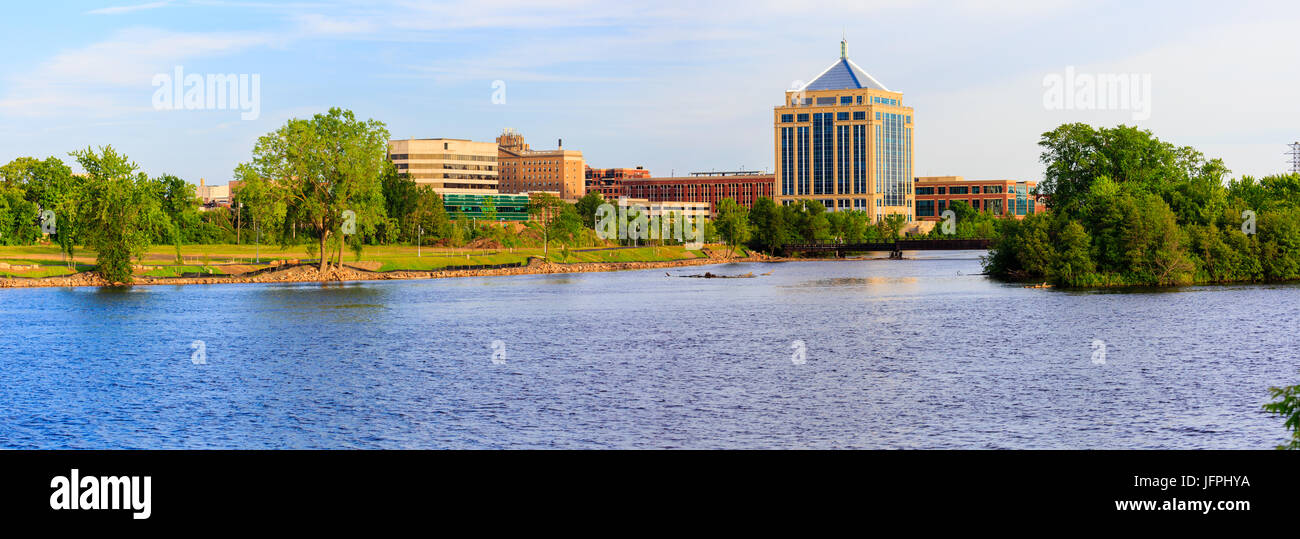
[49, 185]
[264, 202]
[178, 202]
[17, 217]
[327, 165]
[431, 214]
[732, 223]
[544, 208]
[1073, 264]
[1076, 155]
[489, 209]
[892, 225]
[119, 212]
[1287, 404]
[587, 207]
[769, 228]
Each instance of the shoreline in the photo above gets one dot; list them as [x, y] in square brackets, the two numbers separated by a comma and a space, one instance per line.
[309, 274]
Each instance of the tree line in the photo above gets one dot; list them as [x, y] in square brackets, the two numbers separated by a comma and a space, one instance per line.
[323, 183]
[1129, 209]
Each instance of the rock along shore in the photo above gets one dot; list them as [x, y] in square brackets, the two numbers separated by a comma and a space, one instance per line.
[309, 273]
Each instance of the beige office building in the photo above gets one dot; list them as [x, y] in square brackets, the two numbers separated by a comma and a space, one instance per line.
[213, 195]
[845, 140]
[525, 170]
[451, 166]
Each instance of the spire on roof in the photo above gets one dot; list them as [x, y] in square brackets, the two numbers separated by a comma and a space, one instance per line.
[843, 75]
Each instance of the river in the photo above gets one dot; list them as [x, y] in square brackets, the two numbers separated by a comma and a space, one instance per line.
[919, 353]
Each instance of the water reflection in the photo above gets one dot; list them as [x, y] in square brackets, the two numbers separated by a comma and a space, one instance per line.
[930, 359]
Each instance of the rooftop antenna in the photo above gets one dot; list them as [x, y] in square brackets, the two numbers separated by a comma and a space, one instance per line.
[1295, 157]
[844, 43]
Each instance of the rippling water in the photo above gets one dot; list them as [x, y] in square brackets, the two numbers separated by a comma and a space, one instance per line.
[899, 354]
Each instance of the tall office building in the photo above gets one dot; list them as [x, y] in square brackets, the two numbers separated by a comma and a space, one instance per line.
[845, 140]
[451, 166]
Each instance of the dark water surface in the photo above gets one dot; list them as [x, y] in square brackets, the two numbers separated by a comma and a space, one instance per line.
[899, 354]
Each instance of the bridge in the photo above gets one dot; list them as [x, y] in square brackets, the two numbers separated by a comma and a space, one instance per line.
[895, 248]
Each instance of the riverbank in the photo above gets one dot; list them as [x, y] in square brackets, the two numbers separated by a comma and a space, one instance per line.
[309, 273]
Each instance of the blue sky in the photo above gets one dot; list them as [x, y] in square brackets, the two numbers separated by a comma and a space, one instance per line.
[673, 86]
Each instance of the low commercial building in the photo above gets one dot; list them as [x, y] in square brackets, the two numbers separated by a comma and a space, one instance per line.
[742, 186]
[609, 181]
[524, 169]
[450, 166]
[497, 207]
[934, 194]
[667, 207]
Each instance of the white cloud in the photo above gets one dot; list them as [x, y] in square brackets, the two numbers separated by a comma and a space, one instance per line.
[118, 10]
[90, 79]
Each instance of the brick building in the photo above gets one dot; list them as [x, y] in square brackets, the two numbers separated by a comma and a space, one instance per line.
[524, 169]
[934, 194]
[743, 186]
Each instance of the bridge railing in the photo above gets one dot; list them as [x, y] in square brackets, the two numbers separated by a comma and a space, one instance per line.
[900, 245]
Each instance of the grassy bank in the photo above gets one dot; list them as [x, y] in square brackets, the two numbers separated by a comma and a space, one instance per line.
[46, 261]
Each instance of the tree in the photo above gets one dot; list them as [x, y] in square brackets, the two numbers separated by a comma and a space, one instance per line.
[587, 207]
[732, 223]
[768, 224]
[49, 185]
[178, 202]
[118, 213]
[1076, 155]
[1287, 405]
[892, 225]
[17, 217]
[546, 208]
[431, 214]
[489, 209]
[264, 200]
[328, 165]
[1073, 263]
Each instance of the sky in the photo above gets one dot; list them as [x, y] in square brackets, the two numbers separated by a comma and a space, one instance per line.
[676, 87]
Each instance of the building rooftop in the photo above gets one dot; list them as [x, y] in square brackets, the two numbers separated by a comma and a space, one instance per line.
[844, 75]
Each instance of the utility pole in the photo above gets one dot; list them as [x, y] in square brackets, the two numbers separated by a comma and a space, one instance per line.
[239, 215]
[419, 241]
[258, 240]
